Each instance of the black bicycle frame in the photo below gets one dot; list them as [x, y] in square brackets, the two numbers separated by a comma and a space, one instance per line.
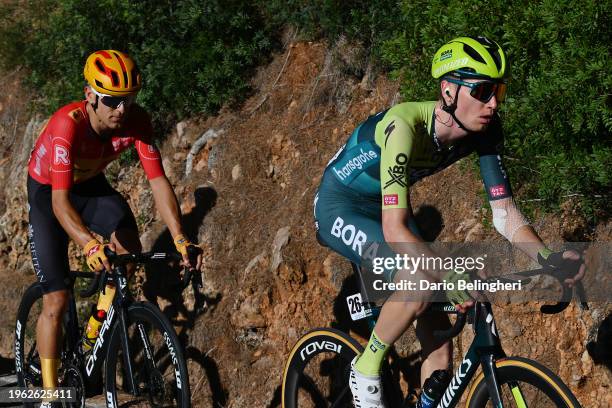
[484, 350]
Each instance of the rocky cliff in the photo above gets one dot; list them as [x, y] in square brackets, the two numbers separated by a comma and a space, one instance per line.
[246, 180]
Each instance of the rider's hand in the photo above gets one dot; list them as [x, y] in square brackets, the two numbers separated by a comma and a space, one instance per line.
[182, 243]
[568, 261]
[461, 299]
[96, 258]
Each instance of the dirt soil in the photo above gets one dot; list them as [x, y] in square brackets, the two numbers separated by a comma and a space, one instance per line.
[248, 199]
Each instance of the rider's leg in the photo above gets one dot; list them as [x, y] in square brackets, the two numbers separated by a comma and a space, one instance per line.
[49, 249]
[126, 240]
[437, 355]
[49, 335]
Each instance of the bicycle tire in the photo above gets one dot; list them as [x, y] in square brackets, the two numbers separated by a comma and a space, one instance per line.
[27, 362]
[299, 389]
[168, 361]
[540, 386]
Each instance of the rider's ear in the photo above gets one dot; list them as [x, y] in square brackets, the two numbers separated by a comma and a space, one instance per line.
[89, 95]
[446, 91]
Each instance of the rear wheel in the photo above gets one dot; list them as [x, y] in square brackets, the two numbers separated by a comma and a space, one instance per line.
[524, 384]
[158, 365]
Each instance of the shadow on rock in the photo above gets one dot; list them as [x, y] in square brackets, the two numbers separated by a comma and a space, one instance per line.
[211, 371]
[600, 349]
[164, 282]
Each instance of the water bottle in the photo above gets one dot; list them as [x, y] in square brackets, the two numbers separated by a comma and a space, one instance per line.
[93, 329]
[433, 388]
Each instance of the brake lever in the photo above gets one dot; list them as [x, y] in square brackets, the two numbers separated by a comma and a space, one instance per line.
[192, 275]
[568, 293]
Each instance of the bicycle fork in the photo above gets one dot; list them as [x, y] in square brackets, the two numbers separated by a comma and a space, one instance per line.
[488, 368]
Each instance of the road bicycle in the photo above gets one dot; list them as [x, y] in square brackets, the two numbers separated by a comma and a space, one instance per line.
[137, 351]
[317, 371]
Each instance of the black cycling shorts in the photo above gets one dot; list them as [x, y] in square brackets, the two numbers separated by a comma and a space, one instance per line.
[102, 209]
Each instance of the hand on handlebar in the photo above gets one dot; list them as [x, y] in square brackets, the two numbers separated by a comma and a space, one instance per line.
[460, 298]
[96, 258]
[570, 263]
[191, 253]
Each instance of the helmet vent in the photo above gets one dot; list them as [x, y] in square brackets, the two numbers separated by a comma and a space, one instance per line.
[100, 66]
[473, 53]
[115, 78]
[496, 59]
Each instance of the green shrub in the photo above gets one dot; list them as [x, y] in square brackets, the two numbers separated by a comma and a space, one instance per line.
[194, 55]
[557, 120]
[198, 55]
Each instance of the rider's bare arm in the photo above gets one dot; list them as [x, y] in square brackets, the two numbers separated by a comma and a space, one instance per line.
[167, 204]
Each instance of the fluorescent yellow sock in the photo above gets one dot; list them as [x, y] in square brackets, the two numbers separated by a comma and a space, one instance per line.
[370, 362]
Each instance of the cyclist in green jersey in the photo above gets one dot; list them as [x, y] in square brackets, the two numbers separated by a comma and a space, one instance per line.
[364, 197]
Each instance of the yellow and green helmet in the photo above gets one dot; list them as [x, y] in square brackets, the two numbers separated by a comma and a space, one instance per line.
[470, 57]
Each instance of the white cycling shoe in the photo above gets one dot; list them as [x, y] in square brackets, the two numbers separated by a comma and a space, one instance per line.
[366, 389]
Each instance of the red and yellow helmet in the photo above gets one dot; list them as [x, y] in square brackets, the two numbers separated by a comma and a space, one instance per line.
[112, 72]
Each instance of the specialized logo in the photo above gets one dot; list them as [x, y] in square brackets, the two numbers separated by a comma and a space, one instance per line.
[315, 346]
[446, 55]
[398, 172]
[450, 66]
[497, 191]
[390, 199]
[350, 235]
[388, 130]
[61, 155]
[462, 371]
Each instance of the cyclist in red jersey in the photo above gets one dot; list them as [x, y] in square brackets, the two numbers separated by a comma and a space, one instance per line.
[69, 197]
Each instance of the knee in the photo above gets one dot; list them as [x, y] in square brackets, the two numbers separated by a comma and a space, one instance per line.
[54, 305]
[441, 354]
[126, 241]
[420, 307]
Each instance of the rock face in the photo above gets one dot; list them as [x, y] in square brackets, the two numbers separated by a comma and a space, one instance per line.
[246, 180]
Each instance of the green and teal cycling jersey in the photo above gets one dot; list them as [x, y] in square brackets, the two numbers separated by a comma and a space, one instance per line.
[395, 148]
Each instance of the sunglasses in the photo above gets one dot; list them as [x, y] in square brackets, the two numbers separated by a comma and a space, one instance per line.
[484, 90]
[114, 102]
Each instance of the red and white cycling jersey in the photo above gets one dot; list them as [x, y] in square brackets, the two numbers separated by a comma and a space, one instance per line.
[68, 150]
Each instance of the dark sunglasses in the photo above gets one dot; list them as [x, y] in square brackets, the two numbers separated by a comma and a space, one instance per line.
[114, 102]
[484, 90]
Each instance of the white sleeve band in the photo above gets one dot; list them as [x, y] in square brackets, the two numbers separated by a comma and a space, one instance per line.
[507, 218]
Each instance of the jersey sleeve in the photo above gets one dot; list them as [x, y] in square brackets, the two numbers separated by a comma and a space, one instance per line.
[395, 138]
[62, 131]
[148, 153]
[492, 170]
[150, 158]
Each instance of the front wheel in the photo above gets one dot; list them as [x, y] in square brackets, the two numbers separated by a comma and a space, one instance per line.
[27, 362]
[316, 373]
[524, 384]
[158, 365]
